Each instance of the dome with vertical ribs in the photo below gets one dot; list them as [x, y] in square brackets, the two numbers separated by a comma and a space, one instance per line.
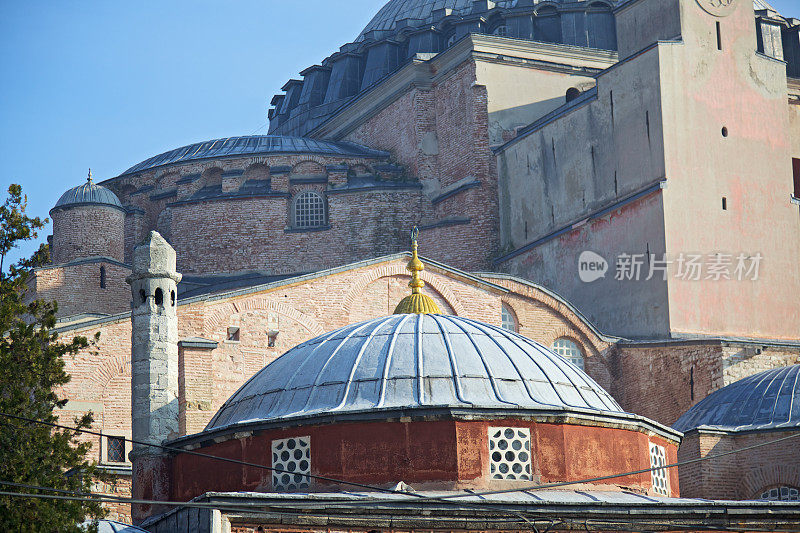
[414, 361]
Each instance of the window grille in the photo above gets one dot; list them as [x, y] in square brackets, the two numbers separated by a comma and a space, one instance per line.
[510, 450]
[569, 351]
[293, 459]
[115, 449]
[309, 210]
[781, 494]
[507, 320]
[659, 477]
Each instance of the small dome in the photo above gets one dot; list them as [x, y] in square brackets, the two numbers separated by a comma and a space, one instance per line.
[409, 362]
[767, 400]
[88, 194]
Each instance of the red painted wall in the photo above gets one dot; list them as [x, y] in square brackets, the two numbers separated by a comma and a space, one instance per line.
[444, 454]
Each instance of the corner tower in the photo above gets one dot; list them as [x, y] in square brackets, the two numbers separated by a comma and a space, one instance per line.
[154, 384]
[88, 221]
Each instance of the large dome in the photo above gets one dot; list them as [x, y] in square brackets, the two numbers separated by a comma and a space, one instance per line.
[88, 194]
[420, 11]
[768, 400]
[410, 362]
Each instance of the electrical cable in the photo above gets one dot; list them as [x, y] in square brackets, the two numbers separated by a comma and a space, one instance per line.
[419, 497]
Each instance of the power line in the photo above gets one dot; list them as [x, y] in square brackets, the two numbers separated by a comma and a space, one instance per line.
[443, 498]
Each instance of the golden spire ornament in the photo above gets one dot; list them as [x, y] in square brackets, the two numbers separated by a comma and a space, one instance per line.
[416, 303]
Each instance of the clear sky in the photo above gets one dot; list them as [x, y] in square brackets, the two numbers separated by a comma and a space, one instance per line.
[107, 84]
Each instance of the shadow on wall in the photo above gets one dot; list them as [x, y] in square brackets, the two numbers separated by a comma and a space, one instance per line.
[504, 122]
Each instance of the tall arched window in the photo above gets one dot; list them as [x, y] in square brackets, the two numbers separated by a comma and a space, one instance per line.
[569, 351]
[309, 210]
[508, 320]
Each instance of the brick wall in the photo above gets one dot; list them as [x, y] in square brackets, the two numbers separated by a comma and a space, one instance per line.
[657, 381]
[76, 287]
[84, 231]
[441, 134]
[740, 476]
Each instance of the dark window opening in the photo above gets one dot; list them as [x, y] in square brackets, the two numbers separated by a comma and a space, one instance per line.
[691, 383]
[796, 175]
[102, 277]
[115, 449]
[172, 298]
[572, 94]
[142, 296]
[233, 333]
[719, 36]
[724, 204]
[159, 297]
[724, 131]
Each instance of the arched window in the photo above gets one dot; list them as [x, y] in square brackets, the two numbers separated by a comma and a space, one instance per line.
[507, 319]
[102, 277]
[781, 494]
[309, 210]
[569, 351]
[572, 93]
[159, 297]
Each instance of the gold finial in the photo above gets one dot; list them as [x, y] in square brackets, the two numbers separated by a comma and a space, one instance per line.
[416, 303]
[89, 179]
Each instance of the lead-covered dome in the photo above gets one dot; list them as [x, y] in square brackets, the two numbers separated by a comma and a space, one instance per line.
[420, 12]
[411, 362]
[88, 194]
[767, 400]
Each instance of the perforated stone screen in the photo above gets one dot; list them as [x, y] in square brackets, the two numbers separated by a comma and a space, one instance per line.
[510, 451]
[658, 459]
[293, 459]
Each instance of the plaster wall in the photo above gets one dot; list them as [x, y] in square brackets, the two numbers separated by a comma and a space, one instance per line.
[643, 22]
[705, 90]
[426, 454]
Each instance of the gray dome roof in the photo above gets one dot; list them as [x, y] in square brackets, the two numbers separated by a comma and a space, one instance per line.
[254, 145]
[406, 362]
[88, 194]
[767, 400]
[420, 10]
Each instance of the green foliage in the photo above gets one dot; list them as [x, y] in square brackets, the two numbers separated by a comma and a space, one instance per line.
[31, 371]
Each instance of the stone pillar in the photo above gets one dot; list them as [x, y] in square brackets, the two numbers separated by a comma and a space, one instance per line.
[154, 383]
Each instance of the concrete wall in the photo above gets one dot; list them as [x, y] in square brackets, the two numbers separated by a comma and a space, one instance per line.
[705, 90]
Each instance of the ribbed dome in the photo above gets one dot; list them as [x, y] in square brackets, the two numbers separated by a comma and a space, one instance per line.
[407, 362]
[88, 194]
[766, 400]
[421, 11]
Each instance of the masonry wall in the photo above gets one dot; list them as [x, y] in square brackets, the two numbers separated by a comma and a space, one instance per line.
[432, 454]
[87, 230]
[76, 287]
[740, 476]
[662, 381]
[704, 90]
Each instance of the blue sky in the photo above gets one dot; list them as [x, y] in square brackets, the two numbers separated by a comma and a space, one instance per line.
[108, 84]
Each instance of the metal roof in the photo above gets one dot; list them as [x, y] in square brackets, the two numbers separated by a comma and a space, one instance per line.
[413, 362]
[767, 400]
[254, 145]
[88, 194]
[420, 11]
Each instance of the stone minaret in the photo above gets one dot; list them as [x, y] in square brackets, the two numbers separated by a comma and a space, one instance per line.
[154, 385]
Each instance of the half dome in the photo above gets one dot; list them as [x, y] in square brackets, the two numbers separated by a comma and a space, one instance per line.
[411, 362]
[88, 194]
[767, 400]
